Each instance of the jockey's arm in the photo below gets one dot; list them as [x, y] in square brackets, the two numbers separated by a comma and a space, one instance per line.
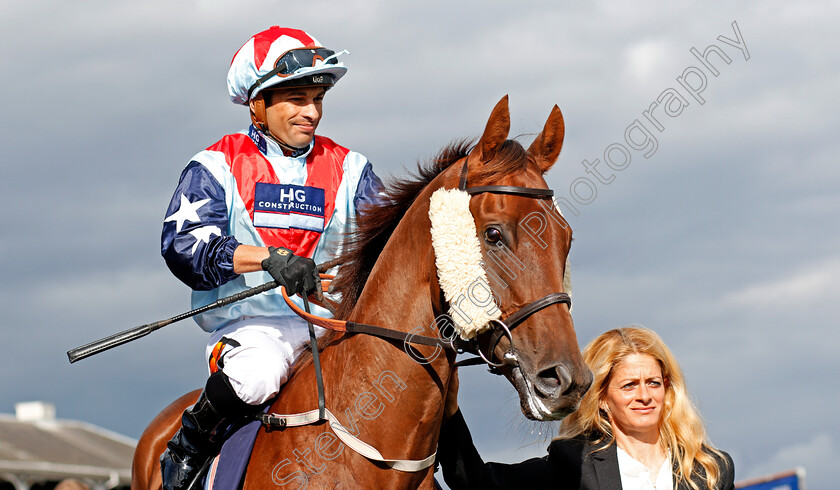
[248, 258]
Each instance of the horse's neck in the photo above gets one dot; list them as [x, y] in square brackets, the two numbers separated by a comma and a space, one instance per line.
[398, 295]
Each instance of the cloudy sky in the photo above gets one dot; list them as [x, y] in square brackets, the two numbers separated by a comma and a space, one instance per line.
[720, 232]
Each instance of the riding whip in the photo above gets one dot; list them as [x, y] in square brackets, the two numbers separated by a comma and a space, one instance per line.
[137, 332]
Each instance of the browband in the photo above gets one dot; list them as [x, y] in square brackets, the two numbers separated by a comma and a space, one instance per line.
[501, 189]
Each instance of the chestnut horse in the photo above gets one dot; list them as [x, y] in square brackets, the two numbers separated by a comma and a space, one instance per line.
[389, 278]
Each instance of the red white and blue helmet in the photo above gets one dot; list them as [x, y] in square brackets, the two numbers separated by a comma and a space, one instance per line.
[280, 55]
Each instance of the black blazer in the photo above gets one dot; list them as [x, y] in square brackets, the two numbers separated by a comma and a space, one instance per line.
[570, 464]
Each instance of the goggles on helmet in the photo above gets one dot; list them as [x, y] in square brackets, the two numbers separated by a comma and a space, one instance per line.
[295, 59]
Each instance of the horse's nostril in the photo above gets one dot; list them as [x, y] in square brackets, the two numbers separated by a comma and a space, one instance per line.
[553, 381]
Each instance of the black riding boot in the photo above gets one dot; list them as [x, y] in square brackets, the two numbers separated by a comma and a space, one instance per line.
[202, 432]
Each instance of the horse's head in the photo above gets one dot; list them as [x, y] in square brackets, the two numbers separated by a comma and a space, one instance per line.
[524, 242]
[494, 227]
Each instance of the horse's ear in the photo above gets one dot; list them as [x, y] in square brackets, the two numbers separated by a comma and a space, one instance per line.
[546, 148]
[496, 132]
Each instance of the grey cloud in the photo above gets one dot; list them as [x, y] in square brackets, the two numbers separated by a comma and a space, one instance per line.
[107, 101]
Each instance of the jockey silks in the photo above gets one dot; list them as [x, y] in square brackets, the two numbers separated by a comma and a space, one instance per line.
[243, 190]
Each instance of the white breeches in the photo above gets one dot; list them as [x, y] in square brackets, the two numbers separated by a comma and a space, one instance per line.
[268, 347]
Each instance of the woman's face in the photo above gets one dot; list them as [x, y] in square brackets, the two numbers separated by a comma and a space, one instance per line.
[635, 395]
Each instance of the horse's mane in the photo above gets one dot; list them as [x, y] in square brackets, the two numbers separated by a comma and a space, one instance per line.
[375, 224]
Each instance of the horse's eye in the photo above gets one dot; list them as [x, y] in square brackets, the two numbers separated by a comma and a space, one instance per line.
[492, 235]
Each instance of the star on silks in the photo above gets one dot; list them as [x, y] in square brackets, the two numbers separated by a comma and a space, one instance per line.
[203, 234]
[186, 212]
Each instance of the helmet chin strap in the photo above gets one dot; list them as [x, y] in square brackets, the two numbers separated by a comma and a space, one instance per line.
[258, 118]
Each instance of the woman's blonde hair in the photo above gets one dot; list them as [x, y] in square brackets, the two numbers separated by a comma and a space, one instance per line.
[681, 430]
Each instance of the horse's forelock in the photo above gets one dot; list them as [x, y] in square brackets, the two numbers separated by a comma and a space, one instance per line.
[511, 158]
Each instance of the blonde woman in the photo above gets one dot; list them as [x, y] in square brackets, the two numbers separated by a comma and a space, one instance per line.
[636, 429]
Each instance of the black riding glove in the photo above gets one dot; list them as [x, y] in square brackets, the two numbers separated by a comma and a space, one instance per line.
[296, 274]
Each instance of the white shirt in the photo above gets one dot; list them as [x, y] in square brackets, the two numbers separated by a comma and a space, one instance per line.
[636, 476]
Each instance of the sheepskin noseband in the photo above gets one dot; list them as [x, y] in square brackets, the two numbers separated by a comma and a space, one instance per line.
[458, 260]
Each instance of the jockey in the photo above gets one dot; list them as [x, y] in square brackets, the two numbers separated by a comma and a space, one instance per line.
[263, 204]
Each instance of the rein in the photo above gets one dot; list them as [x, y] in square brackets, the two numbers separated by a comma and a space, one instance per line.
[501, 328]
[355, 327]
[282, 421]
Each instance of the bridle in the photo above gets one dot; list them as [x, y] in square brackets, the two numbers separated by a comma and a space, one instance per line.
[502, 328]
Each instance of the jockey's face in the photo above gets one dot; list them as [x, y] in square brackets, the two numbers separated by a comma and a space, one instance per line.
[293, 113]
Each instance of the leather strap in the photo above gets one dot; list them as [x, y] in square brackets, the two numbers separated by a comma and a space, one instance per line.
[501, 189]
[520, 316]
[353, 327]
[258, 113]
[509, 189]
[535, 306]
[462, 183]
[470, 361]
[299, 419]
[316, 360]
